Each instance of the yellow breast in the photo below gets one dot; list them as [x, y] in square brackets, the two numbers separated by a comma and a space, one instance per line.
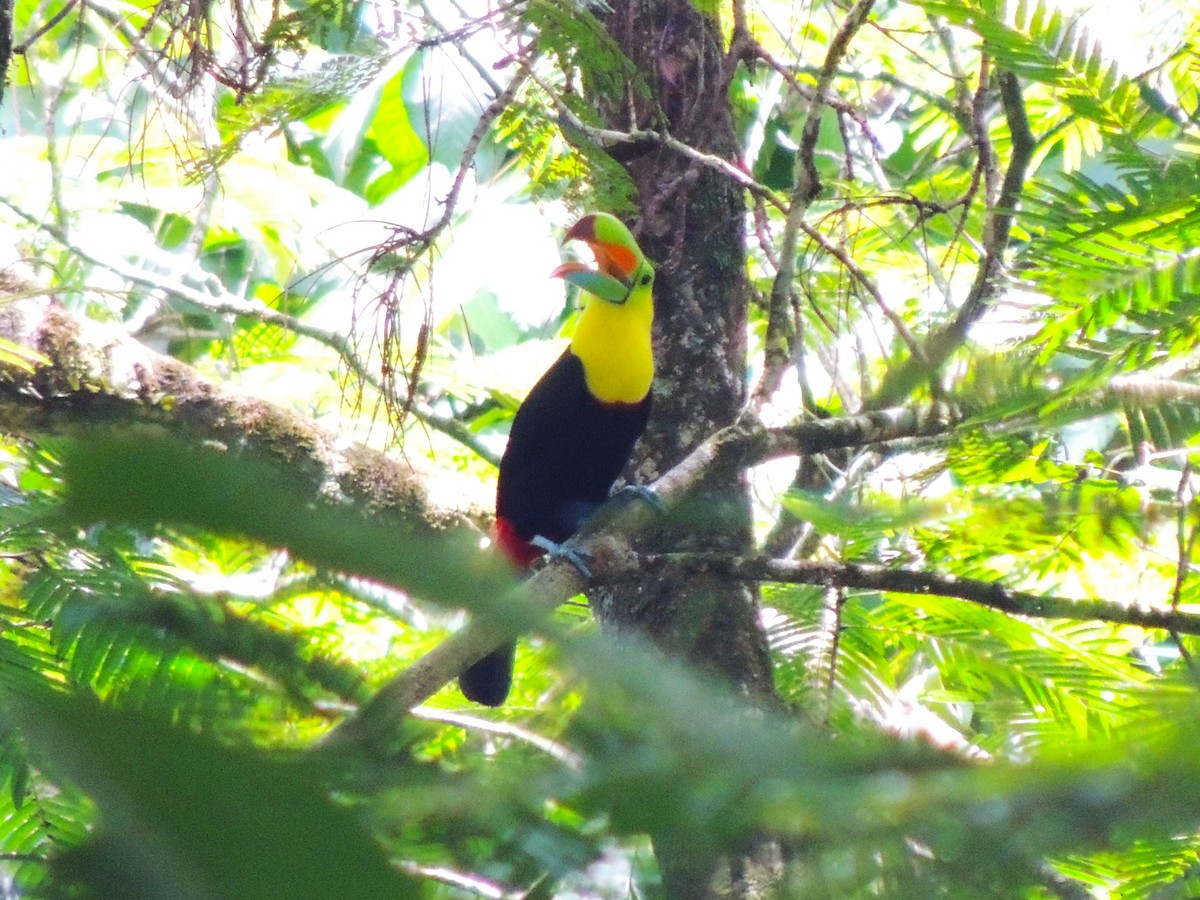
[613, 343]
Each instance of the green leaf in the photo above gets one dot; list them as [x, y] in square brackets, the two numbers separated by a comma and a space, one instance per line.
[17, 356]
[181, 816]
[394, 136]
[858, 518]
[143, 476]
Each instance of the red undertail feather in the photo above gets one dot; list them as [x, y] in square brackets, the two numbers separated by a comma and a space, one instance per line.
[519, 552]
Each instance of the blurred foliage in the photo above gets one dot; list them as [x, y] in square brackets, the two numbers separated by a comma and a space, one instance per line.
[241, 184]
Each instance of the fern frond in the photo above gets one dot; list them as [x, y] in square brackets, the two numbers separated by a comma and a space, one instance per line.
[529, 127]
[1139, 870]
[1147, 311]
[984, 673]
[37, 819]
[1036, 41]
[290, 98]
[126, 628]
[1119, 266]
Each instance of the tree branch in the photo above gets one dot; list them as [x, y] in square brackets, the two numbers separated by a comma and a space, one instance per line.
[97, 377]
[608, 137]
[1146, 388]
[864, 576]
[604, 541]
[808, 180]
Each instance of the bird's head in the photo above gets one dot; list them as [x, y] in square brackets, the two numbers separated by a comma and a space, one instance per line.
[621, 269]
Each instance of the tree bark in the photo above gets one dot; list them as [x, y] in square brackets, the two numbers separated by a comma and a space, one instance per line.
[690, 222]
[6, 43]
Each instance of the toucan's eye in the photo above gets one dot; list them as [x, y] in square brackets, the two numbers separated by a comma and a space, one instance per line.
[645, 279]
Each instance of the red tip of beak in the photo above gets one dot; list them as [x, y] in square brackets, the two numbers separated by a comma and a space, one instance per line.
[583, 230]
[567, 268]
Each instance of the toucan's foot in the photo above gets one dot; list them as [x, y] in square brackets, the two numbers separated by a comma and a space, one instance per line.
[561, 551]
[649, 495]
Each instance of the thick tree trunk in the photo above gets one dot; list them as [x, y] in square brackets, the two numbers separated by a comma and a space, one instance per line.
[691, 222]
[6, 43]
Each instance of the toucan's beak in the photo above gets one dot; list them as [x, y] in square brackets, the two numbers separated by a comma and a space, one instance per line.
[597, 283]
[616, 263]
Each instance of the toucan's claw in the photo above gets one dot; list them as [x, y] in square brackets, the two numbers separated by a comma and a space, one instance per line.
[561, 551]
[649, 495]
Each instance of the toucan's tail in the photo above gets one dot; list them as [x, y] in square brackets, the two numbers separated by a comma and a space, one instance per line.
[489, 680]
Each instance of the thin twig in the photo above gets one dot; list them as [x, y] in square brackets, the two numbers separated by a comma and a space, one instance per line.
[1185, 540]
[807, 185]
[555, 749]
[864, 279]
[606, 137]
[1186, 544]
[226, 304]
[901, 380]
[835, 602]
[600, 539]
[863, 576]
[23, 47]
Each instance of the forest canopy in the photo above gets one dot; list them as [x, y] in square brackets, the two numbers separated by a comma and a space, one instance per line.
[915, 611]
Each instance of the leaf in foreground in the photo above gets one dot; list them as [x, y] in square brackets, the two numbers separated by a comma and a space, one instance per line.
[184, 817]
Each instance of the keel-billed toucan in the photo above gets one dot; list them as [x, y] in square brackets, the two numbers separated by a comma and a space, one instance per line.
[577, 427]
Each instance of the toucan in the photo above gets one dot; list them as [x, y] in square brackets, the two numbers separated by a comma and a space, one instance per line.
[577, 427]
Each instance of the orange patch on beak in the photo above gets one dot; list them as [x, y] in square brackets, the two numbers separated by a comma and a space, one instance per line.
[614, 260]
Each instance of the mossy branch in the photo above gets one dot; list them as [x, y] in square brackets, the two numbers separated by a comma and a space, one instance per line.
[95, 379]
